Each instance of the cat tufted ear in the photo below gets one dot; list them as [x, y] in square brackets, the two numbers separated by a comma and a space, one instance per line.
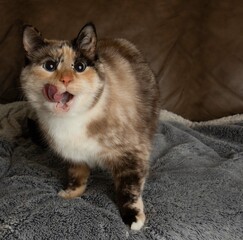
[86, 41]
[32, 39]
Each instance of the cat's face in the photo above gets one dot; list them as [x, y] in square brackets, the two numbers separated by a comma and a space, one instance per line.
[61, 77]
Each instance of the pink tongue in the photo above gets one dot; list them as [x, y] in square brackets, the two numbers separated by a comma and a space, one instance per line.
[51, 92]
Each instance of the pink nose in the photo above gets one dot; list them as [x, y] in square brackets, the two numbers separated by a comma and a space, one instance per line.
[66, 78]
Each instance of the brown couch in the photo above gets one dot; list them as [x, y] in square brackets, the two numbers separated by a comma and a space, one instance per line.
[194, 47]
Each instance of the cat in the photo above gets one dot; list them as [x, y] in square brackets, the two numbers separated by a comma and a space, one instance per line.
[97, 104]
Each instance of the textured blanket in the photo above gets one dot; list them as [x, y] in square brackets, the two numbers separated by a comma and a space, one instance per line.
[194, 190]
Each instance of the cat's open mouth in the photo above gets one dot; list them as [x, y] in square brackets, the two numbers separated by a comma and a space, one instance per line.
[62, 100]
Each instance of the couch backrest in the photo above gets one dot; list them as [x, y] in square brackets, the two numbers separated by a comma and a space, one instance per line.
[194, 47]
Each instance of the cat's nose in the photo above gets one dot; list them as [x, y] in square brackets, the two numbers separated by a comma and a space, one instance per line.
[66, 78]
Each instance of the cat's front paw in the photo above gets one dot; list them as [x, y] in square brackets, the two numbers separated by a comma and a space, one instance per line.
[77, 181]
[133, 217]
[72, 193]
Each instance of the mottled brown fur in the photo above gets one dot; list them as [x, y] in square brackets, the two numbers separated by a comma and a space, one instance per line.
[119, 112]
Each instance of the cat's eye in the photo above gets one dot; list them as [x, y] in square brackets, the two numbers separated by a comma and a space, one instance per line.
[79, 66]
[50, 66]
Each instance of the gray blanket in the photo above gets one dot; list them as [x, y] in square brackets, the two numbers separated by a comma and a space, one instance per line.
[194, 190]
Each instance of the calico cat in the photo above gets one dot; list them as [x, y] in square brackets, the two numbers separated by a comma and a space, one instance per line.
[97, 105]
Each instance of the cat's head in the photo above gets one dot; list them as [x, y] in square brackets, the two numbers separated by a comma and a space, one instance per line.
[61, 76]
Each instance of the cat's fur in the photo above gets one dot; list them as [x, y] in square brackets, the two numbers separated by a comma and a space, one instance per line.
[111, 118]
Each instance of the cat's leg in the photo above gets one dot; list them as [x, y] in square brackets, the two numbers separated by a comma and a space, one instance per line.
[129, 176]
[77, 181]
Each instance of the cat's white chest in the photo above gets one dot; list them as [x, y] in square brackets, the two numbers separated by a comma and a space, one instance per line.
[72, 142]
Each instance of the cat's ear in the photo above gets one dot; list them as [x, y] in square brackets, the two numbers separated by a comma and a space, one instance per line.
[32, 39]
[86, 41]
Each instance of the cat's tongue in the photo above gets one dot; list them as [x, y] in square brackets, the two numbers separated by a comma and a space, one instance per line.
[51, 93]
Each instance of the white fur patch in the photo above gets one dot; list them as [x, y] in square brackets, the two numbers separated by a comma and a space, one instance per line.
[71, 141]
[140, 217]
[137, 225]
[68, 132]
[70, 138]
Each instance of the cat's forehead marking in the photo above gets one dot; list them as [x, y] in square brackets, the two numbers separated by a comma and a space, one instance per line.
[67, 54]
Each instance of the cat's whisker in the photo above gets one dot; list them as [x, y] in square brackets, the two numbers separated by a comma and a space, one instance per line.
[31, 101]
